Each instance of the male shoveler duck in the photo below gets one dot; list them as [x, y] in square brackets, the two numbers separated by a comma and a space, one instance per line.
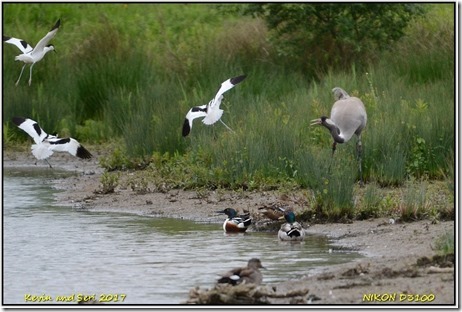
[291, 230]
[244, 275]
[235, 223]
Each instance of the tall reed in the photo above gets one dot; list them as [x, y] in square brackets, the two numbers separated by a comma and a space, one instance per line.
[132, 72]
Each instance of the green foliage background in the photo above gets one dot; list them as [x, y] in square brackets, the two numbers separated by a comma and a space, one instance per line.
[128, 73]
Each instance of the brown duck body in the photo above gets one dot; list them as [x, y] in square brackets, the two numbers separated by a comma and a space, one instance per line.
[271, 212]
[235, 223]
[248, 274]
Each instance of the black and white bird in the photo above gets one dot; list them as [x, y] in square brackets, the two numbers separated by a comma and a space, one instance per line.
[33, 55]
[46, 144]
[210, 111]
[347, 117]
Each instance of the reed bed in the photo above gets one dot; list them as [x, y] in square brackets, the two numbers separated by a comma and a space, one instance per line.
[131, 72]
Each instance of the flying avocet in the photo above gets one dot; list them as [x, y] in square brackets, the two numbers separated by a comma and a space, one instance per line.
[210, 111]
[33, 55]
[46, 144]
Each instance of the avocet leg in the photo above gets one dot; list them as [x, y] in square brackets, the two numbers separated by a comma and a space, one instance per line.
[22, 69]
[226, 126]
[30, 77]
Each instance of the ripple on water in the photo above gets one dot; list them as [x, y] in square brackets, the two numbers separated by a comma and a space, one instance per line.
[55, 250]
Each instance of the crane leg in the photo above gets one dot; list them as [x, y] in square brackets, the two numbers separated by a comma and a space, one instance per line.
[334, 147]
[359, 150]
[22, 69]
[48, 163]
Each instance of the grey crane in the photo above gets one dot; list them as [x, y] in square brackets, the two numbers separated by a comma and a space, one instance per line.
[347, 117]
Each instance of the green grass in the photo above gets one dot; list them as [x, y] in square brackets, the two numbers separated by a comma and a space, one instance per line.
[130, 72]
[444, 244]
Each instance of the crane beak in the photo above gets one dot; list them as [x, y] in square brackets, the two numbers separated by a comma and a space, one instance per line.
[315, 122]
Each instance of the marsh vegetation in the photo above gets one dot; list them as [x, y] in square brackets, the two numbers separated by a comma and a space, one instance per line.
[125, 75]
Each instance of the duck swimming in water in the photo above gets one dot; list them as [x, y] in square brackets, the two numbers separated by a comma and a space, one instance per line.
[291, 230]
[235, 223]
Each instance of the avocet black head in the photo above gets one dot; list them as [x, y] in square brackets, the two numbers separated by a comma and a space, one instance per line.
[211, 111]
[46, 144]
[347, 117]
[194, 112]
[33, 55]
[51, 47]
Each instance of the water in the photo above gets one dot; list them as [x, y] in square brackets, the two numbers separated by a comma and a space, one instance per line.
[53, 251]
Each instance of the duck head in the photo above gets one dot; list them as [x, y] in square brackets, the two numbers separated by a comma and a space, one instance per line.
[255, 263]
[289, 216]
[230, 212]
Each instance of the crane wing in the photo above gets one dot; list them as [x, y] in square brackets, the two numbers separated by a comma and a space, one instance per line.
[349, 115]
[340, 94]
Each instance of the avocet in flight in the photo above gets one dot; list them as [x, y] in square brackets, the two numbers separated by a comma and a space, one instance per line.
[46, 144]
[33, 55]
[211, 111]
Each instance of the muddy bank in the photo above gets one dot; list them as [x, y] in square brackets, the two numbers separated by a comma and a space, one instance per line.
[399, 264]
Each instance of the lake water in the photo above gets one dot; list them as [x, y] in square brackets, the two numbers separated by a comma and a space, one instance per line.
[52, 251]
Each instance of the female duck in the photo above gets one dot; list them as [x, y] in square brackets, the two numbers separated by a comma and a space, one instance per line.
[234, 223]
[291, 230]
[244, 275]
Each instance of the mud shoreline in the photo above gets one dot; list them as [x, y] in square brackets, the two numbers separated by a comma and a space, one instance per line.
[399, 266]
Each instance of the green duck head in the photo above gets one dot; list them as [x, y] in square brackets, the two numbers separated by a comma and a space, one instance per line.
[230, 212]
[289, 216]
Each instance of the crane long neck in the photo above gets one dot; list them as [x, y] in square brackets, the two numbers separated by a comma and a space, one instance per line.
[334, 131]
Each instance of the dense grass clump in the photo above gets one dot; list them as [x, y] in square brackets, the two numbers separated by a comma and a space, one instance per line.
[130, 72]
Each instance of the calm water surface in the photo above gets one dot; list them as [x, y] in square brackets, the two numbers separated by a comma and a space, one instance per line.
[49, 250]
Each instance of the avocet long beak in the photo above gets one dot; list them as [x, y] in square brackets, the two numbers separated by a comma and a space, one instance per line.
[315, 122]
